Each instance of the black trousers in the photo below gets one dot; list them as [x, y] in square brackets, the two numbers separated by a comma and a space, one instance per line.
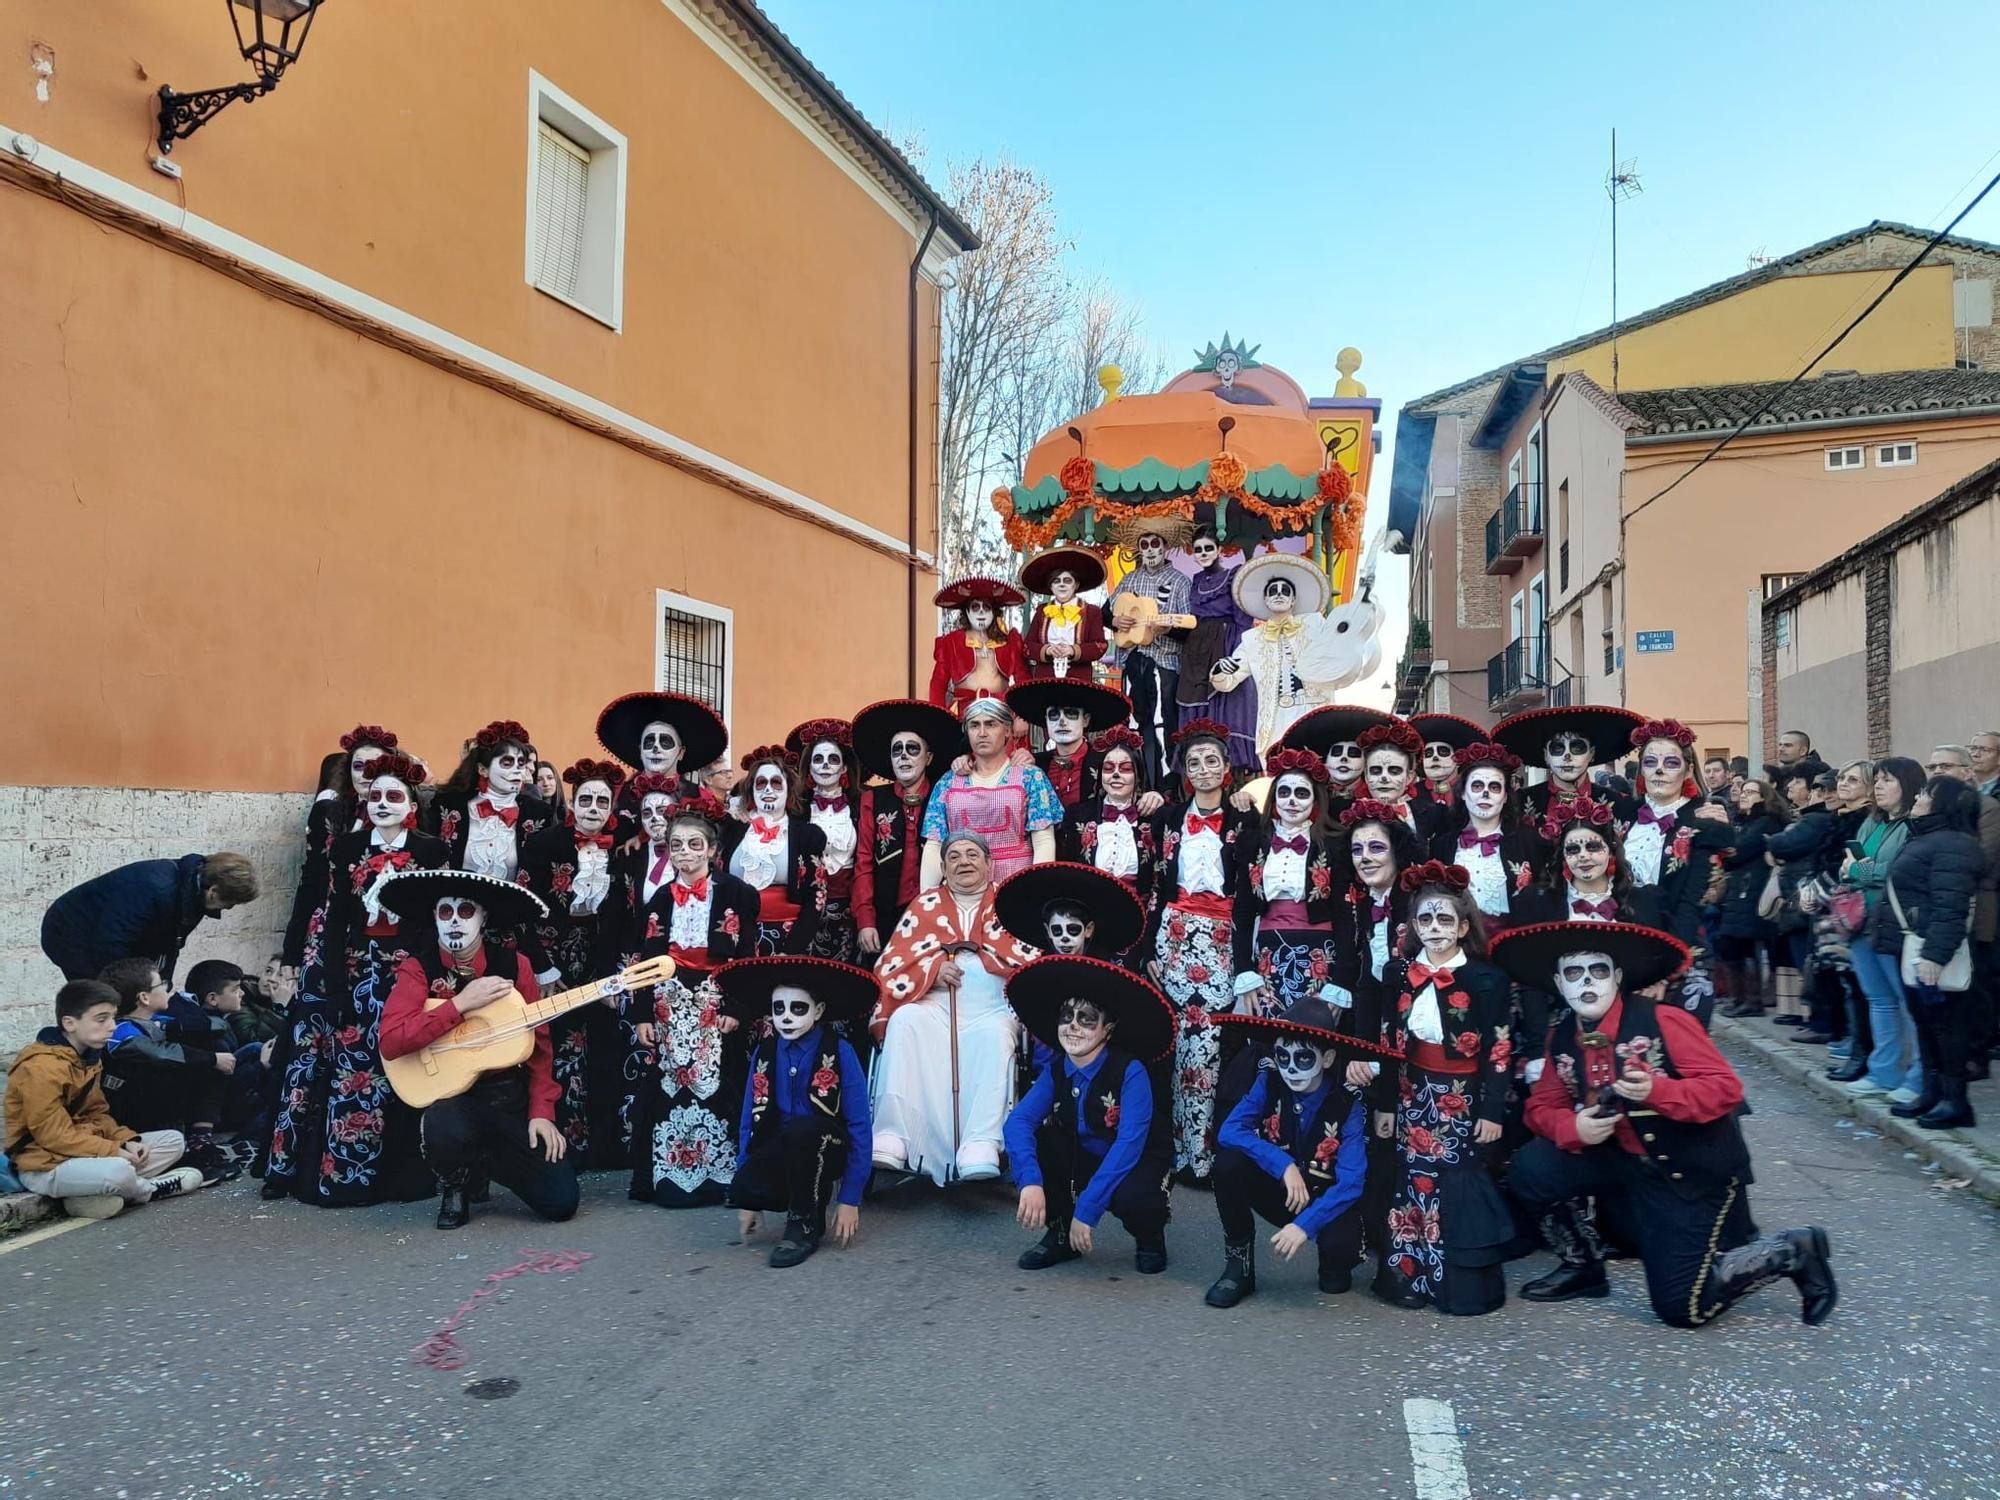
[1244, 1189]
[1943, 1021]
[794, 1170]
[487, 1126]
[147, 1094]
[1154, 690]
[1140, 1202]
[1678, 1239]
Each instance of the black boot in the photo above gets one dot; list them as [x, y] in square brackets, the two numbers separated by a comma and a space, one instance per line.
[1239, 1275]
[1051, 1250]
[1798, 1254]
[1855, 1067]
[1151, 1257]
[795, 1245]
[1953, 1110]
[1924, 1103]
[1335, 1279]
[1580, 1270]
[1814, 1276]
[453, 1211]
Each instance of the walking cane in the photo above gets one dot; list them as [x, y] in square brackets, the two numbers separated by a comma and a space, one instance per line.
[951, 996]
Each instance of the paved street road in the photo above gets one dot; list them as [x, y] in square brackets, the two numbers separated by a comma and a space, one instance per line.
[224, 1346]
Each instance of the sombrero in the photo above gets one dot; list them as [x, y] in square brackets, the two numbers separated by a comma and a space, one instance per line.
[1039, 569]
[964, 591]
[1102, 706]
[804, 736]
[1645, 956]
[877, 725]
[1312, 587]
[1023, 896]
[1311, 1020]
[1175, 531]
[703, 735]
[1144, 1019]
[847, 991]
[1447, 729]
[1336, 724]
[1608, 729]
[411, 893]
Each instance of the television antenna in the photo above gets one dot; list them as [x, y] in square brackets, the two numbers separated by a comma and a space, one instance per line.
[1620, 183]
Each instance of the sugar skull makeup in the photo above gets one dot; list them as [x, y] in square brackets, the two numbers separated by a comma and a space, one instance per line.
[1062, 586]
[387, 804]
[1588, 982]
[1440, 926]
[590, 807]
[690, 847]
[508, 770]
[1389, 774]
[1280, 597]
[1343, 762]
[660, 748]
[1439, 766]
[1663, 766]
[768, 790]
[1567, 757]
[653, 816]
[1119, 775]
[1586, 854]
[979, 615]
[909, 758]
[1292, 799]
[1152, 549]
[461, 922]
[1374, 855]
[794, 1012]
[1081, 1028]
[827, 766]
[1205, 766]
[1205, 550]
[1069, 928]
[1485, 793]
[1299, 1064]
[1065, 726]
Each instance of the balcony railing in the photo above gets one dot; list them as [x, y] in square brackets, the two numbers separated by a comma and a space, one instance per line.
[1517, 677]
[1514, 531]
[1562, 567]
[1414, 670]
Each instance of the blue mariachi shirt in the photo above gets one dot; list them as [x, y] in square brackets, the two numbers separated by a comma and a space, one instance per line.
[1115, 1156]
[1241, 1131]
[791, 1077]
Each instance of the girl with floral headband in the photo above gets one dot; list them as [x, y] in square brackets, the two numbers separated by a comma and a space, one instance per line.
[1449, 1226]
[339, 1136]
[1112, 830]
[486, 812]
[1391, 755]
[336, 810]
[1486, 837]
[1672, 846]
[825, 752]
[1287, 885]
[778, 851]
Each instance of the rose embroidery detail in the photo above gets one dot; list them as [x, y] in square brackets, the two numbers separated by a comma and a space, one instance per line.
[1522, 877]
[1088, 838]
[1271, 1128]
[732, 925]
[1467, 1043]
[823, 1081]
[1111, 1112]
[561, 878]
[448, 826]
[885, 827]
[442, 989]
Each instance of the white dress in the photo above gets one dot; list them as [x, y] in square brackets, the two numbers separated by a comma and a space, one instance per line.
[913, 1075]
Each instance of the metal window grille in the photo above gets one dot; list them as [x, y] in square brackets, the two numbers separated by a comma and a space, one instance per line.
[562, 187]
[694, 658]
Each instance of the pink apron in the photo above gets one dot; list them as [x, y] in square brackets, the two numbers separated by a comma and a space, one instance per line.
[998, 814]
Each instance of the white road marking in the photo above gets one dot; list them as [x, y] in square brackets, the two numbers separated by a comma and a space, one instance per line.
[1435, 1451]
[15, 1242]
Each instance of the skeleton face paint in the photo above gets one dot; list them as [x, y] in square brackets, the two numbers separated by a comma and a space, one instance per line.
[1119, 775]
[653, 816]
[1065, 726]
[1343, 762]
[591, 806]
[1292, 800]
[1567, 757]
[1586, 856]
[388, 804]
[1280, 597]
[507, 772]
[1069, 928]
[689, 850]
[1589, 982]
[1439, 927]
[828, 766]
[357, 762]
[1374, 856]
[1439, 766]
[979, 615]
[1299, 1064]
[794, 1012]
[768, 790]
[1081, 1028]
[909, 758]
[1485, 793]
[1388, 775]
[1063, 587]
[660, 748]
[1205, 767]
[461, 922]
[1663, 766]
[1152, 551]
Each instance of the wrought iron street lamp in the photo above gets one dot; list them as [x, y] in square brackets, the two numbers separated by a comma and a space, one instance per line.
[276, 36]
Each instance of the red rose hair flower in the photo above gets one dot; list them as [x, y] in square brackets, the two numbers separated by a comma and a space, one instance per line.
[1583, 810]
[1202, 729]
[1399, 735]
[397, 765]
[1663, 729]
[502, 732]
[1486, 753]
[1368, 810]
[775, 753]
[367, 734]
[608, 772]
[838, 731]
[646, 783]
[1304, 763]
[1433, 872]
[1120, 737]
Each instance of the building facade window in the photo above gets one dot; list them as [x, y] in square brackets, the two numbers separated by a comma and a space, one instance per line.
[694, 650]
[1846, 458]
[576, 205]
[1895, 455]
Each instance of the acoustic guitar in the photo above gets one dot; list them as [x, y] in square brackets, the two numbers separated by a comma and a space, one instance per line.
[501, 1035]
[1147, 621]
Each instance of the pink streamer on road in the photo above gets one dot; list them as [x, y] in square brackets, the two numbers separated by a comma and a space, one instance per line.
[441, 1350]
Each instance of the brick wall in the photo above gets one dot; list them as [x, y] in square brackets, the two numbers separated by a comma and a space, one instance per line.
[52, 838]
[1880, 581]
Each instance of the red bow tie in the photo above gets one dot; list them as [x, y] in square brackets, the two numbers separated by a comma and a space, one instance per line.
[1607, 909]
[1204, 823]
[1120, 815]
[1378, 911]
[767, 833]
[1663, 820]
[601, 840]
[835, 803]
[1296, 845]
[1423, 974]
[507, 815]
[686, 893]
[1488, 844]
[389, 859]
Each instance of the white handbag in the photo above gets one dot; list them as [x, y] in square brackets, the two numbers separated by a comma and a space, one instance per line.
[1955, 976]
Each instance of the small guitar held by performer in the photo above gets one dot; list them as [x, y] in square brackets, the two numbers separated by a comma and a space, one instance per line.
[1146, 621]
[501, 1034]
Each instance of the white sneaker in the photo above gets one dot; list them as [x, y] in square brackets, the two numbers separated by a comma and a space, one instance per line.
[94, 1206]
[1902, 1096]
[978, 1161]
[893, 1152]
[1865, 1088]
[179, 1180]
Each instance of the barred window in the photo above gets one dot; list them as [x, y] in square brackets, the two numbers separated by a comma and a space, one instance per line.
[694, 654]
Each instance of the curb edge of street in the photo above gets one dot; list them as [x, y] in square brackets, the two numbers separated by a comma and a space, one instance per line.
[1953, 1155]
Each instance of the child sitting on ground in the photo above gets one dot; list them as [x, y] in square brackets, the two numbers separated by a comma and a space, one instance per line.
[207, 1015]
[154, 1081]
[59, 1133]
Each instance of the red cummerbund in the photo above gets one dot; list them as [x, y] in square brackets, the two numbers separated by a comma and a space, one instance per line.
[774, 905]
[1204, 904]
[1431, 1058]
[1290, 916]
[688, 958]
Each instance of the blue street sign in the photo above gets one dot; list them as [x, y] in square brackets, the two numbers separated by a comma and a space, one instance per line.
[1656, 640]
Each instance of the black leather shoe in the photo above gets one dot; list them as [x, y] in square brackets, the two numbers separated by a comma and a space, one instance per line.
[453, 1211]
[1569, 1280]
[271, 1191]
[1151, 1257]
[1333, 1282]
[1397, 1292]
[1812, 1036]
[1238, 1279]
[1053, 1249]
[1847, 1072]
[1814, 1276]
[795, 1246]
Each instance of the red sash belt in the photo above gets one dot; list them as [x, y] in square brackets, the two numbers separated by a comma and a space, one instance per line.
[1290, 916]
[689, 958]
[775, 906]
[1429, 1057]
[1204, 904]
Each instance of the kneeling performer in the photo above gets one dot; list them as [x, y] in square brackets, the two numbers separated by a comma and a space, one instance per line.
[804, 1141]
[1635, 1106]
[1087, 1137]
[505, 1124]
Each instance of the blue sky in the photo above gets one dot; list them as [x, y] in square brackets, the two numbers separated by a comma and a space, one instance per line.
[1426, 182]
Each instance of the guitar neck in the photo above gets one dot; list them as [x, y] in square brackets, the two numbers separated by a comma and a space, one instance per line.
[541, 1012]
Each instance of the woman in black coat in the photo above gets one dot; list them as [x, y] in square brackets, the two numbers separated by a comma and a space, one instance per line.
[1934, 882]
[1796, 852]
[1740, 933]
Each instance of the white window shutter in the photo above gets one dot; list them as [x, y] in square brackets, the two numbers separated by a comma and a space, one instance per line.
[562, 182]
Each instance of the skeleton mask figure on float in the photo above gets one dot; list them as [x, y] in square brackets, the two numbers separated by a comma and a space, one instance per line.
[1280, 598]
[1588, 982]
[909, 758]
[1567, 757]
[461, 923]
[1292, 800]
[1300, 1064]
[979, 615]
[1065, 726]
[1343, 762]
[590, 807]
[768, 790]
[1485, 793]
[1389, 772]
[827, 766]
[794, 1012]
[660, 748]
[1663, 766]
[388, 804]
[1062, 586]
[653, 816]
[508, 771]
[1440, 926]
[1069, 928]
